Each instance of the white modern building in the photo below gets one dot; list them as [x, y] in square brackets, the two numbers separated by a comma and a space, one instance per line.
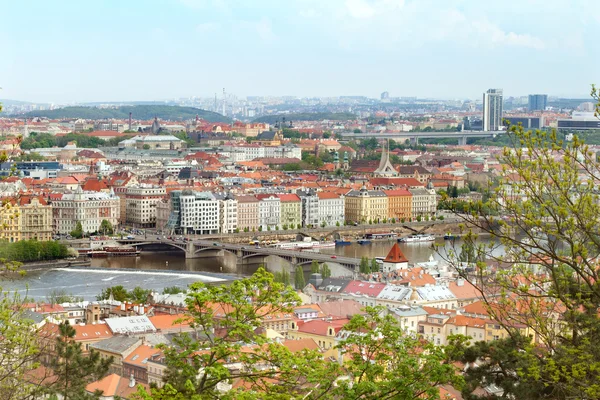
[492, 110]
[140, 203]
[249, 152]
[199, 212]
[88, 208]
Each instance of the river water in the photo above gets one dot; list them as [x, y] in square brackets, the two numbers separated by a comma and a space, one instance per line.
[165, 269]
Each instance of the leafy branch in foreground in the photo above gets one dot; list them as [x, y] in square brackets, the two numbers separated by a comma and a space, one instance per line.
[544, 289]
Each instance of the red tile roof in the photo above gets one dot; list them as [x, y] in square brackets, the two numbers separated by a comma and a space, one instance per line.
[395, 255]
[364, 288]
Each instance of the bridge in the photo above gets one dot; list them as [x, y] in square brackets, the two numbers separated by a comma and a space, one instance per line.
[244, 254]
[415, 136]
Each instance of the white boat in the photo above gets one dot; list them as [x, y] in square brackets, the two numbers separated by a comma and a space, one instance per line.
[417, 238]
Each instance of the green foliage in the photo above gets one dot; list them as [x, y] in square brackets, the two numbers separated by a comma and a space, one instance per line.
[299, 281]
[364, 267]
[59, 296]
[106, 228]
[74, 370]
[172, 290]
[30, 157]
[314, 267]
[546, 283]
[282, 276]
[119, 293]
[325, 271]
[19, 349]
[32, 250]
[272, 119]
[146, 147]
[398, 366]
[136, 295]
[356, 130]
[374, 266]
[144, 112]
[77, 233]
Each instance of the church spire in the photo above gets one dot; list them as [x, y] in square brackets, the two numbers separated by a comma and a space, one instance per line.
[385, 166]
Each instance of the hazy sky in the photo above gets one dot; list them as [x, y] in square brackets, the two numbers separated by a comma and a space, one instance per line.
[110, 50]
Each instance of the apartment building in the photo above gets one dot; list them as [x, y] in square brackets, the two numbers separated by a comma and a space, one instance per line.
[399, 204]
[291, 210]
[141, 201]
[310, 208]
[269, 212]
[331, 207]
[247, 212]
[365, 206]
[88, 208]
[25, 218]
[228, 213]
[424, 201]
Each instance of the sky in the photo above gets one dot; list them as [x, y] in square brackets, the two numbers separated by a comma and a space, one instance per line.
[133, 50]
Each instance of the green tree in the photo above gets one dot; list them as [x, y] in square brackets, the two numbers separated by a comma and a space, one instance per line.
[59, 296]
[314, 267]
[106, 228]
[139, 295]
[172, 290]
[78, 231]
[146, 147]
[299, 281]
[547, 282]
[364, 266]
[325, 271]
[323, 224]
[384, 362]
[356, 130]
[74, 370]
[374, 267]
[19, 349]
[118, 292]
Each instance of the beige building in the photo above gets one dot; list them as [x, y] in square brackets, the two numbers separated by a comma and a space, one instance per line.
[365, 205]
[88, 208]
[141, 201]
[399, 204]
[424, 201]
[26, 218]
[247, 213]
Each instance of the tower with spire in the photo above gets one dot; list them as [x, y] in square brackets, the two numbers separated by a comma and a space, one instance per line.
[385, 165]
[336, 160]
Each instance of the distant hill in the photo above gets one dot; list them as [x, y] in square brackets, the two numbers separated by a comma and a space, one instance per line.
[271, 119]
[145, 112]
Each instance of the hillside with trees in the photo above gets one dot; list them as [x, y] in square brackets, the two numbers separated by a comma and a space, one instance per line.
[320, 116]
[144, 112]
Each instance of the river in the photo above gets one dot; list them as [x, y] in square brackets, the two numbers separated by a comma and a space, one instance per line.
[165, 269]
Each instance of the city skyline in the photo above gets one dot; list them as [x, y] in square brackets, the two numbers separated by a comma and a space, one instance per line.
[135, 51]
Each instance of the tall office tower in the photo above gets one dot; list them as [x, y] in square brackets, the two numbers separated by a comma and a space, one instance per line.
[537, 102]
[385, 96]
[492, 110]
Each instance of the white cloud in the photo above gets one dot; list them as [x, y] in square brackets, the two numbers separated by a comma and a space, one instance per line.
[491, 33]
[207, 27]
[359, 9]
[264, 29]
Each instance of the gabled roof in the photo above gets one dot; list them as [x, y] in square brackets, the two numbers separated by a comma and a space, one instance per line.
[395, 255]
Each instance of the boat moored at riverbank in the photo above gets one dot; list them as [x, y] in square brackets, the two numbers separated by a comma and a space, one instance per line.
[417, 238]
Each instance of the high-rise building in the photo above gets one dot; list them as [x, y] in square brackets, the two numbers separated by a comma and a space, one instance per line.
[385, 96]
[492, 110]
[537, 102]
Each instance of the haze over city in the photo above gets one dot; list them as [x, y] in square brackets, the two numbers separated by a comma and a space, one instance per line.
[156, 50]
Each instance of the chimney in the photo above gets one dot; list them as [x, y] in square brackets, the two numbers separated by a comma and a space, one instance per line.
[129, 120]
[123, 306]
[460, 282]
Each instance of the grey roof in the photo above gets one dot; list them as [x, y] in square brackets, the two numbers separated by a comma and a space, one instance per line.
[333, 284]
[116, 344]
[408, 311]
[33, 316]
